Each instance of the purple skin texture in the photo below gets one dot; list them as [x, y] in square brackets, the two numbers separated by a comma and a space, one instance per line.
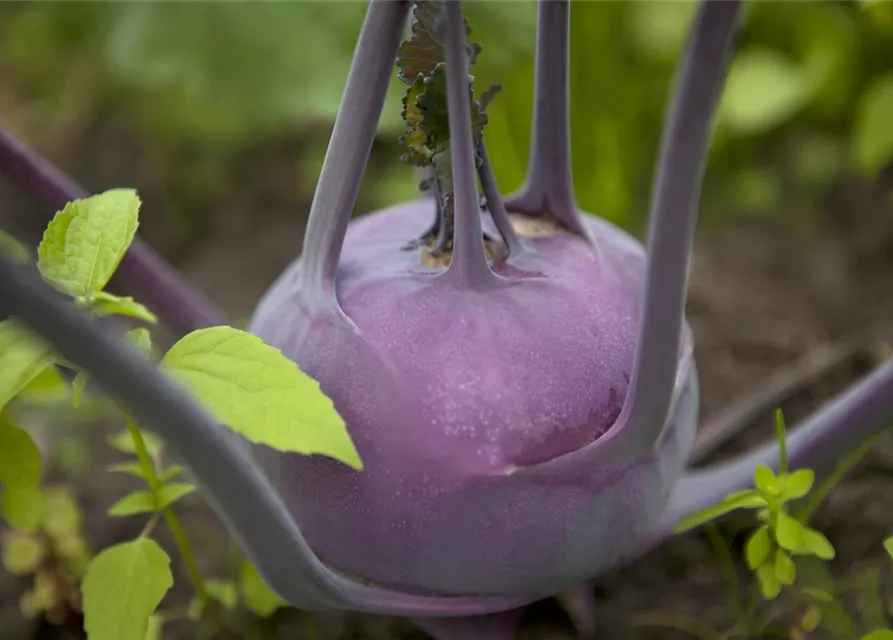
[524, 422]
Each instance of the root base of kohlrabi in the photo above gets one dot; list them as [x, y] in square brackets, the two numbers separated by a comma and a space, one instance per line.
[478, 413]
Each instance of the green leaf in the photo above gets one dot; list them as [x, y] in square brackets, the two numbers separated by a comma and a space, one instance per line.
[22, 554]
[223, 591]
[817, 544]
[873, 135]
[12, 249]
[758, 548]
[811, 619]
[171, 472]
[104, 304]
[788, 532]
[888, 546]
[47, 387]
[818, 594]
[154, 628]
[259, 393]
[879, 634]
[799, 483]
[257, 594]
[122, 441]
[782, 442]
[84, 243]
[140, 339]
[123, 586]
[79, 388]
[169, 494]
[132, 504]
[785, 570]
[19, 457]
[130, 468]
[62, 516]
[742, 500]
[770, 585]
[23, 508]
[766, 481]
[22, 358]
[763, 90]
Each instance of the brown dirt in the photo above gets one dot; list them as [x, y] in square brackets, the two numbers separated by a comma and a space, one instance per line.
[763, 293]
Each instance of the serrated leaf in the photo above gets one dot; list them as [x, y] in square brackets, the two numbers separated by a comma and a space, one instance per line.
[765, 480]
[20, 464]
[256, 593]
[758, 547]
[799, 483]
[169, 494]
[23, 508]
[223, 591]
[873, 135]
[22, 554]
[739, 501]
[132, 504]
[122, 588]
[84, 243]
[122, 441]
[763, 90]
[424, 49]
[104, 304]
[62, 516]
[12, 249]
[259, 393]
[22, 358]
[788, 532]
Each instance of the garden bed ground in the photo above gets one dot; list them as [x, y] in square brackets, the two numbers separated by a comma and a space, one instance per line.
[764, 293]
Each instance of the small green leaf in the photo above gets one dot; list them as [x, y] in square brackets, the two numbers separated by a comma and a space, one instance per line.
[873, 136]
[132, 504]
[12, 249]
[140, 339]
[104, 304]
[811, 619]
[788, 532]
[879, 634]
[23, 508]
[785, 570]
[169, 494]
[47, 387]
[257, 594]
[766, 481]
[223, 591]
[817, 544]
[124, 443]
[770, 586]
[79, 388]
[22, 554]
[259, 393]
[782, 438]
[171, 472]
[62, 516]
[19, 457]
[742, 500]
[799, 483]
[758, 548]
[130, 468]
[84, 243]
[22, 358]
[154, 628]
[888, 546]
[818, 594]
[122, 587]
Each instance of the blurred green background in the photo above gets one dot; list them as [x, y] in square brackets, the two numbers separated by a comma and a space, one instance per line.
[809, 97]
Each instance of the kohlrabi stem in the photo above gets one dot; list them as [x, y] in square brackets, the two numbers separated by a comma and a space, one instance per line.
[497, 626]
[550, 184]
[674, 207]
[821, 441]
[142, 272]
[495, 204]
[350, 145]
[469, 265]
[239, 492]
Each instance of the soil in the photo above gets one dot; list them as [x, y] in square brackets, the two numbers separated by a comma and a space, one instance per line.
[764, 293]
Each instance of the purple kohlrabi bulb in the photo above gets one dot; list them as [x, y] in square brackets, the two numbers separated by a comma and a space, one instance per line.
[485, 417]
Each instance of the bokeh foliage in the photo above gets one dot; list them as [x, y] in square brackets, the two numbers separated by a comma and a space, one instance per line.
[809, 97]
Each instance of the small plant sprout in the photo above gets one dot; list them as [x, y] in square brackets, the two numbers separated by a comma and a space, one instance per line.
[443, 410]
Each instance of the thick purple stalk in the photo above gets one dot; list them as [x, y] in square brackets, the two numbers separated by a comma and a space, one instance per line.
[497, 626]
[674, 207]
[495, 204]
[550, 183]
[142, 272]
[350, 145]
[231, 481]
[469, 266]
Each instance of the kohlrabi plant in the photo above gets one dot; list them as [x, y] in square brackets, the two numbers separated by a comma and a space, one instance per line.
[515, 374]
